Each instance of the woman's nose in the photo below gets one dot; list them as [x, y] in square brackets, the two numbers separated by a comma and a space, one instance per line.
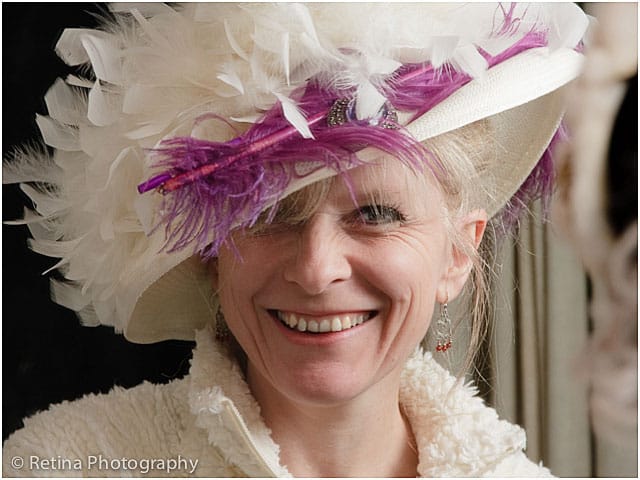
[320, 259]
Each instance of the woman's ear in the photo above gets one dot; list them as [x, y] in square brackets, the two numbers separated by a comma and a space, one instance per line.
[471, 229]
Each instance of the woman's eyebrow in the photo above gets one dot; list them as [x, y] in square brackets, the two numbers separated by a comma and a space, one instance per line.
[378, 190]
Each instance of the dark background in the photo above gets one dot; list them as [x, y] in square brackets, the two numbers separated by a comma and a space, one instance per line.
[47, 356]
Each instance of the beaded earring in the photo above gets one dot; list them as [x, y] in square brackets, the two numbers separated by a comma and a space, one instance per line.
[443, 329]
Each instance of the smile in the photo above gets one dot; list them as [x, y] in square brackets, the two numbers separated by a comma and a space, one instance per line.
[330, 323]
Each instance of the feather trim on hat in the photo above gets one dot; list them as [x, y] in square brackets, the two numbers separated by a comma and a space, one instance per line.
[160, 72]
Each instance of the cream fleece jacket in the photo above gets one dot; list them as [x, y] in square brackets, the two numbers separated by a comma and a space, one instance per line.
[209, 425]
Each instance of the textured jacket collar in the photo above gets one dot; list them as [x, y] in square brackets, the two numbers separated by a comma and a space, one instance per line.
[456, 433]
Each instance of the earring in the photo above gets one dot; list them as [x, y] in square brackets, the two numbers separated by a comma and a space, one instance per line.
[443, 329]
[222, 330]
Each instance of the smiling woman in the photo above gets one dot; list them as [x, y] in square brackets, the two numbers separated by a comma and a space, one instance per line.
[299, 196]
[330, 318]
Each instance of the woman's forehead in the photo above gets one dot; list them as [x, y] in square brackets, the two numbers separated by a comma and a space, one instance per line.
[386, 181]
[386, 178]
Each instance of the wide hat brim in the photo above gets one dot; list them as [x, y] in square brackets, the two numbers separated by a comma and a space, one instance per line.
[521, 98]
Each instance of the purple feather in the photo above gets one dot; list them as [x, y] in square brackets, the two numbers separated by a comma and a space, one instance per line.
[232, 182]
[236, 196]
[538, 185]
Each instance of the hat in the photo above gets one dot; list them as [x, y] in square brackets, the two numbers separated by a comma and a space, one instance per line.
[225, 109]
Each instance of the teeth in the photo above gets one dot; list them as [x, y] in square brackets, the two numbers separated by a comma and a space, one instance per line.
[329, 324]
[336, 324]
[302, 325]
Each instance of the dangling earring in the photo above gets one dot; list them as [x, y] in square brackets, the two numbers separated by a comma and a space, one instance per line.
[222, 330]
[443, 329]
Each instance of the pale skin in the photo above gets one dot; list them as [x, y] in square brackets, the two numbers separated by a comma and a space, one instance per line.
[331, 399]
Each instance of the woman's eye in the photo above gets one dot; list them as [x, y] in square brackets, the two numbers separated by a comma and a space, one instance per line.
[379, 214]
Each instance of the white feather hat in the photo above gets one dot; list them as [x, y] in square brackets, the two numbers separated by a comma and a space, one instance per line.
[160, 72]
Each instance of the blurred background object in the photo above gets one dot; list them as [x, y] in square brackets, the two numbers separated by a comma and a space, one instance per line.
[596, 209]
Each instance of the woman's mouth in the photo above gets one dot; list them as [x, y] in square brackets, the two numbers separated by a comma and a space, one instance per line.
[322, 324]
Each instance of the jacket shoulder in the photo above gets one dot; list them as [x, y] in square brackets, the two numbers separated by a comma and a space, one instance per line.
[133, 422]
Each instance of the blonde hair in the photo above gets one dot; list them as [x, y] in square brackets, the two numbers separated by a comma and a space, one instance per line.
[465, 154]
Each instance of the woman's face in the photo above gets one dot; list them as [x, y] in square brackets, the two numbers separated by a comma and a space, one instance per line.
[331, 307]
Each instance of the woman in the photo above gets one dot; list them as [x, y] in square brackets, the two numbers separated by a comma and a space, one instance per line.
[318, 189]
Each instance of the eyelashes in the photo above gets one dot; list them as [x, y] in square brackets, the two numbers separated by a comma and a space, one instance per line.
[379, 215]
[371, 217]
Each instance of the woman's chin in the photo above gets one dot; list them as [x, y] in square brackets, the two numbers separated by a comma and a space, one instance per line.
[324, 388]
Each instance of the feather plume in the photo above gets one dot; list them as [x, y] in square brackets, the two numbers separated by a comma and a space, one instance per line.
[294, 116]
[205, 168]
[64, 104]
[31, 164]
[47, 203]
[103, 108]
[69, 47]
[57, 135]
[104, 56]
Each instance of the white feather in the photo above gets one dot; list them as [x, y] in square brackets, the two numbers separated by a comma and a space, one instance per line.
[47, 203]
[106, 229]
[68, 295]
[28, 217]
[294, 116]
[226, 91]
[247, 119]
[285, 57]
[233, 43]
[30, 165]
[379, 65]
[148, 9]
[303, 15]
[61, 265]
[45, 230]
[442, 49]
[69, 47]
[57, 135]
[127, 152]
[150, 129]
[103, 108]
[369, 101]
[64, 104]
[231, 78]
[568, 26]
[60, 248]
[105, 57]
[150, 30]
[144, 206]
[78, 82]
[137, 98]
[468, 59]
[103, 309]
[89, 318]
